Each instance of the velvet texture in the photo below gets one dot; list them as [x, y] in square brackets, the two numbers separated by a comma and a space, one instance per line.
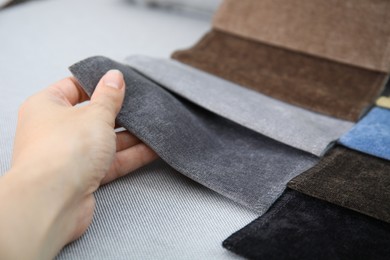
[316, 84]
[236, 162]
[350, 179]
[297, 127]
[383, 102]
[371, 135]
[355, 32]
[301, 227]
[157, 213]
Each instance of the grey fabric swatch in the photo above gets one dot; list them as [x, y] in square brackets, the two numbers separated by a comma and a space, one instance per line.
[295, 126]
[157, 213]
[238, 163]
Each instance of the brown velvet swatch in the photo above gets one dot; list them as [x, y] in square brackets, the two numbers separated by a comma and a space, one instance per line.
[350, 179]
[354, 32]
[316, 84]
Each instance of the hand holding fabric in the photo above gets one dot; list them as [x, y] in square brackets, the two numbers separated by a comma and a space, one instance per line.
[62, 154]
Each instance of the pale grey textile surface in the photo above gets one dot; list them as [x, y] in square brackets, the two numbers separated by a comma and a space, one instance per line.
[232, 160]
[297, 127]
[155, 213]
[48, 35]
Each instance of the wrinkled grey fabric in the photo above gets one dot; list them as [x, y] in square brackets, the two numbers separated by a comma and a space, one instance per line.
[157, 213]
[232, 160]
[297, 127]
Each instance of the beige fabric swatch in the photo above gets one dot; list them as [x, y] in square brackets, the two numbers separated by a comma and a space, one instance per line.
[383, 102]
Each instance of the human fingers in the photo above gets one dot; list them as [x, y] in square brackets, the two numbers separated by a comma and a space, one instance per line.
[108, 95]
[129, 160]
[125, 140]
[67, 91]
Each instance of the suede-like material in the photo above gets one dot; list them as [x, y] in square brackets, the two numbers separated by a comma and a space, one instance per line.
[301, 227]
[350, 179]
[384, 99]
[371, 135]
[238, 163]
[291, 125]
[354, 32]
[383, 102]
[316, 84]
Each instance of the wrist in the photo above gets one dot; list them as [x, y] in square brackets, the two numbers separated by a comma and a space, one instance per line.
[34, 205]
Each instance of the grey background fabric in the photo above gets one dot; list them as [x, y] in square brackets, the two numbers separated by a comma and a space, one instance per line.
[48, 35]
[297, 127]
[238, 163]
[157, 213]
[134, 213]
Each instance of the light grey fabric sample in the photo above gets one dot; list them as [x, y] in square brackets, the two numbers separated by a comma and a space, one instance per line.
[157, 213]
[238, 163]
[297, 127]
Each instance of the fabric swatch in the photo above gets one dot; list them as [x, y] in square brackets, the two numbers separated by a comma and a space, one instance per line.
[350, 179]
[371, 134]
[355, 32]
[320, 85]
[383, 102]
[232, 160]
[297, 127]
[301, 227]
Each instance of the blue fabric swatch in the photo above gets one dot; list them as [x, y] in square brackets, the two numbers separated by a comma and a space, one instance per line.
[371, 135]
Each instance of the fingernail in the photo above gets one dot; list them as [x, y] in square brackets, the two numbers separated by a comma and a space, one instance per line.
[114, 79]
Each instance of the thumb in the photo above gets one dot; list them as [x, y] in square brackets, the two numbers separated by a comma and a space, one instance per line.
[109, 94]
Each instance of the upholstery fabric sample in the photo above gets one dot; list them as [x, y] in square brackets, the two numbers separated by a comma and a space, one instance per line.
[301, 227]
[354, 32]
[350, 179]
[383, 102]
[316, 84]
[371, 134]
[288, 124]
[238, 163]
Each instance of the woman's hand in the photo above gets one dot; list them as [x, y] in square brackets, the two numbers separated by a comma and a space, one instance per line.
[62, 154]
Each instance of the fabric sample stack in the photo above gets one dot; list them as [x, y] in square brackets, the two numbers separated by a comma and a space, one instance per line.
[259, 105]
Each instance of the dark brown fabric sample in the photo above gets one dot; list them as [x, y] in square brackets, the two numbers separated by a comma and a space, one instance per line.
[354, 32]
[301, 227]
[316, 84]
[350, 179]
